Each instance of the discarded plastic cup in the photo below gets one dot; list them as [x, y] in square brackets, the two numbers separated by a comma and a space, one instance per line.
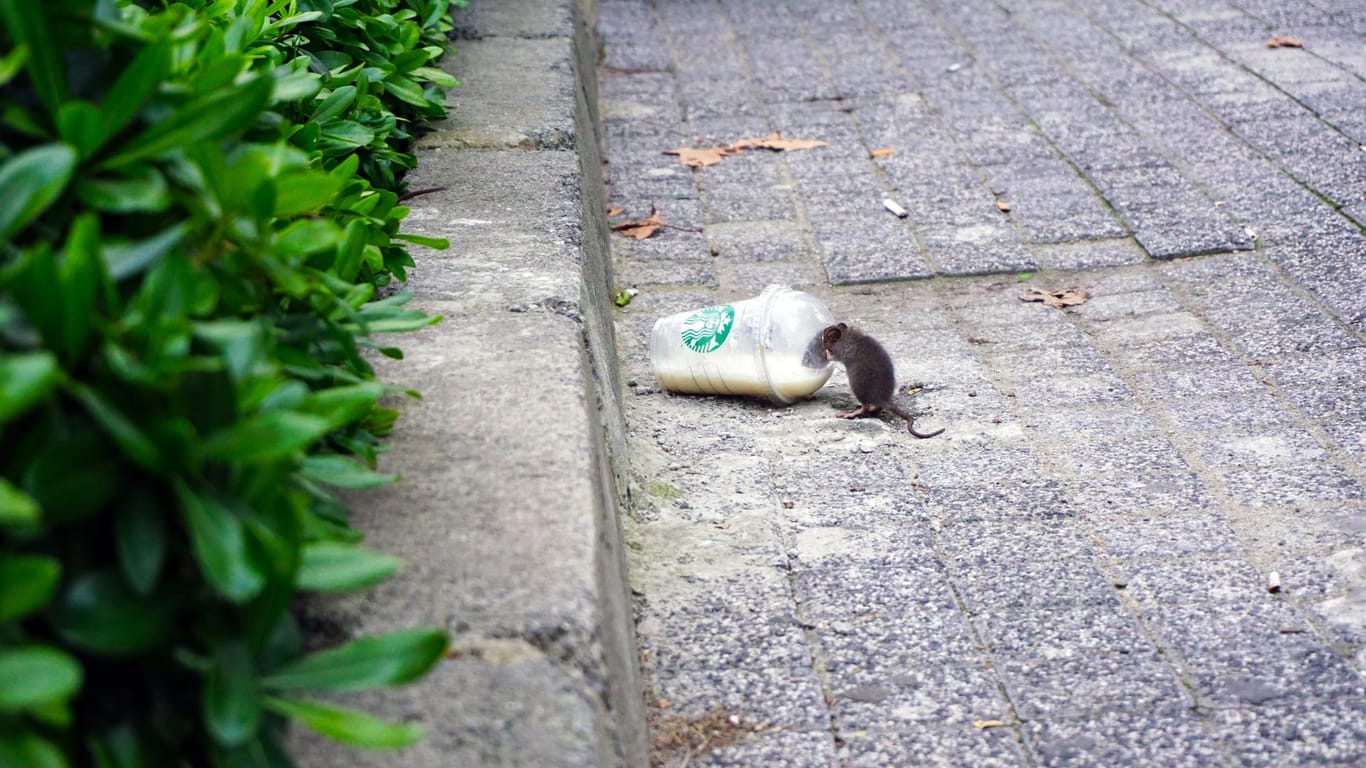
[767, 346]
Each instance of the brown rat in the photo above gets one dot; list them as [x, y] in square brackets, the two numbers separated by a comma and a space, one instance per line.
[871, 375]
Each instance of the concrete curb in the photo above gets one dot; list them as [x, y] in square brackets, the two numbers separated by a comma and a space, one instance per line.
[507, 512]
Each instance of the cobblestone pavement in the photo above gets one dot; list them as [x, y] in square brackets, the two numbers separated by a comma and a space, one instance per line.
[1076, 572]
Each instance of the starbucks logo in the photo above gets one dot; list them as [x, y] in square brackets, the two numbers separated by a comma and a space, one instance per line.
[706, 329]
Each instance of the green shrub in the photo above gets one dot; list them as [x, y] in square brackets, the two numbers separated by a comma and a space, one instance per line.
[198, 203]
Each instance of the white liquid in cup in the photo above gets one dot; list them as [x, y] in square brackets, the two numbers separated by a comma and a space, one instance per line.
[767, 346]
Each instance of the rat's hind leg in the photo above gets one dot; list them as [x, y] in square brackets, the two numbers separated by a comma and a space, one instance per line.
[863, 410]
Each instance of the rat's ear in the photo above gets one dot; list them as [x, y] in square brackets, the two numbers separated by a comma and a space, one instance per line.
[833, 333]
[844, 327]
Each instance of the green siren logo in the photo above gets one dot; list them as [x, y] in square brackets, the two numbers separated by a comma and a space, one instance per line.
[706, 329]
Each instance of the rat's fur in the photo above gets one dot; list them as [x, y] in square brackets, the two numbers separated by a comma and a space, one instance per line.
[871, 374]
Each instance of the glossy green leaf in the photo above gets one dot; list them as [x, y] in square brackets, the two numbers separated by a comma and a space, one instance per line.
[17, 507]
[125, 259]
[348, 726]
[12, 63]
[51, 470]
[344, 405]
[369, 662]
[308, 236]
[305, 192]
[36, 674]
[331, 567]
[265, 437]
[241, 343]
[31, 280]
[81, 124]
[28, 750]
[98, 612]
[26, 23]
[207, 118]
[26, 378]
[336, 103]
[135, 84]
[145, 192]
[295, 86]
[343, 472]
[232, 698]
[27, 582]
[33, 180]
[347, 134]
[140, 538]
[436, 243]
[219, 541]
[80, 277]
[406, 90]
[435, 77]
[125, 432]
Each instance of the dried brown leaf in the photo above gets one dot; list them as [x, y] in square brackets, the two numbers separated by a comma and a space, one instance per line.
[701, 157]
[1003, 206]
[641, 229]
[1057, 299]
[779, 143]
[882, 152]
[982, 725]
[1284, 41]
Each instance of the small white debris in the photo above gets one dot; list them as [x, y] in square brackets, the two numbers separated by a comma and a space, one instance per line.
[891, 205]
[1273, 582]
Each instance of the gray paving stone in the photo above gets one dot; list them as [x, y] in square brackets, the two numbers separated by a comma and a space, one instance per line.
[1202, 631]
[1204, 381]
[1137, 304]
[1303, 732]
[1090, 424]
[1110, 457]
[1167, 535]
[934, 748]
[1222, 450]
[1181, 352]
[1271, 331]
[1019, 578]
[799, 749]
[778, 696]
[975, 466]
[1293, 484]
[935, 695]
[757, 241]
[1090, 683]
[1197, 582]
[1061, 390]
[1140, 494]
[1257, 677]
[1169, 736]
[965, 542]
[1021, 499]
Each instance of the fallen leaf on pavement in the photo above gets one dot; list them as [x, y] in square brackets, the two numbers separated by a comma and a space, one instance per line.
[777, 142]
[882, 152]
[701, 157]
[1057, 299]
[982, 725]
[1284, 41]
[640, 229]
